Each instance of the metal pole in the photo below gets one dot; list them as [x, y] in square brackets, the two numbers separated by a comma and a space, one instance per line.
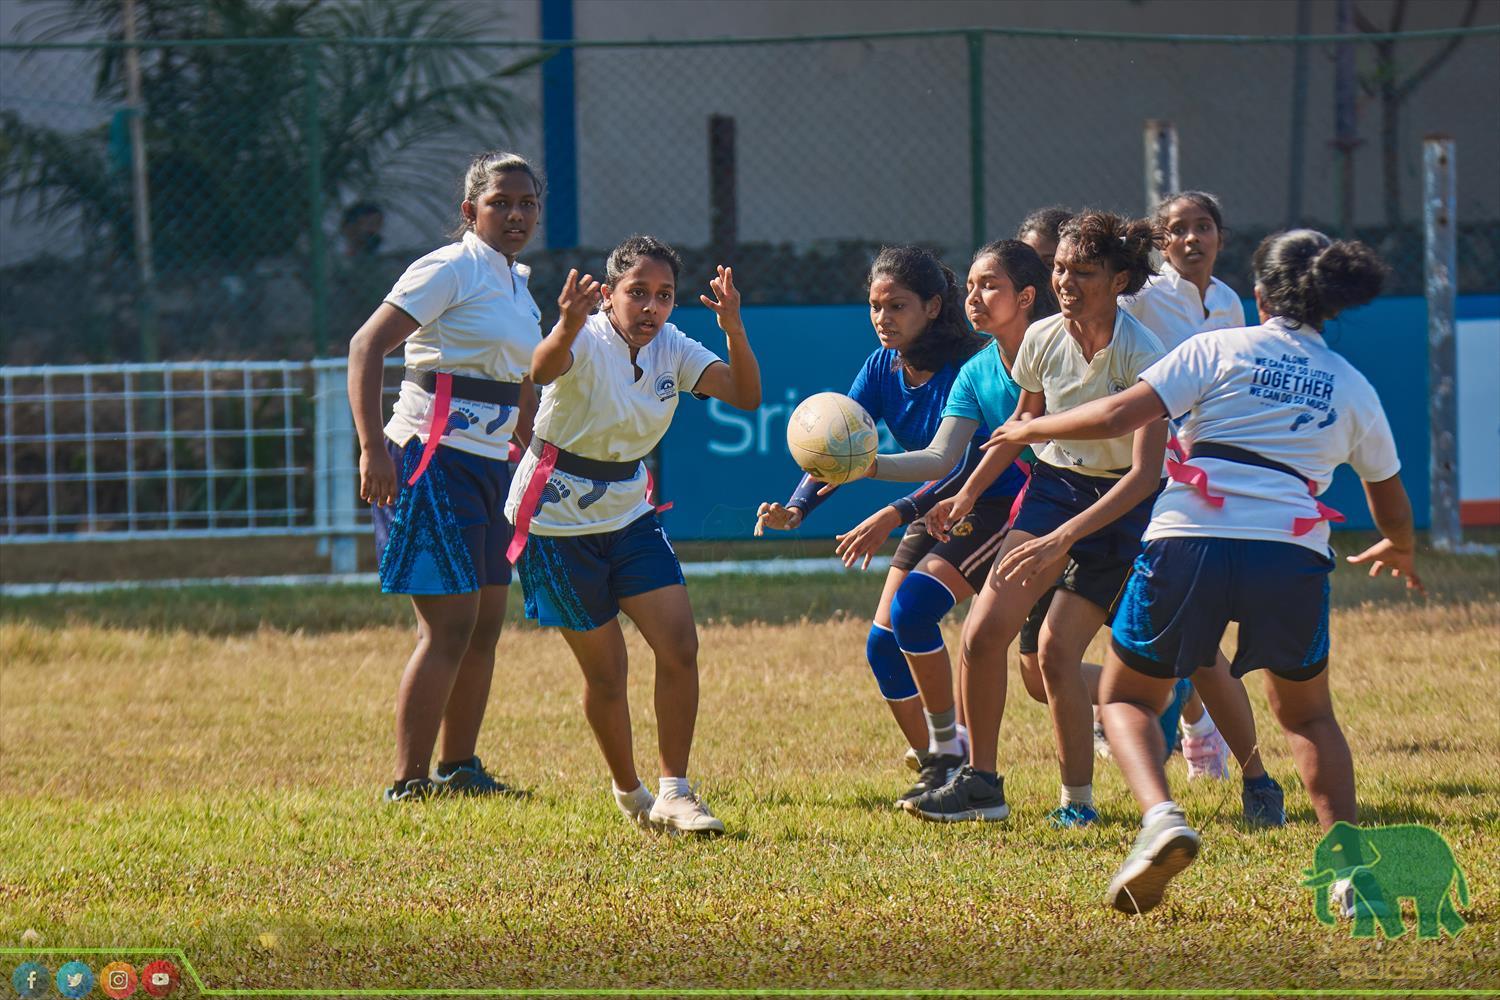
[1345, 118]
[317, 244]
[140, 189]
[1298, 152]
[723, 207]
[976, 140]
[1161, 162]
[1440, 271]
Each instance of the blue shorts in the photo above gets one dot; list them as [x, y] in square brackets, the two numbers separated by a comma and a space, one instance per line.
[576, 581]
[448, 533]
[1184, 591]
[1098, 564]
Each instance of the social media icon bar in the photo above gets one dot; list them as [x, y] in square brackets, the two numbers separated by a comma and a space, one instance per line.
[160, 978]
[118, 980]
[30, 979]
[74, 980]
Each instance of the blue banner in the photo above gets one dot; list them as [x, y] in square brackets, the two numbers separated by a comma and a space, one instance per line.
[719, 463]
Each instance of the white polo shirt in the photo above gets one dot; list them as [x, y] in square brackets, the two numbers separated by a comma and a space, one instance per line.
[1050, 361]
[477, 318]
[1171, 307]
[1276, 390]
[599, 409]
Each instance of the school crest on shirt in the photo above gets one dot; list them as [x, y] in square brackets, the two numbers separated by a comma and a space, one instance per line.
[666, 386]
[1116, 385]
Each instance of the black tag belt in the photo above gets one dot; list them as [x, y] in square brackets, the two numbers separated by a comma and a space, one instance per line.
[476, 390]
[587, 468]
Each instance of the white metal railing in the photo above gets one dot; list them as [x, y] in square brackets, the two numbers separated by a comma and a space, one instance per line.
[207, 449]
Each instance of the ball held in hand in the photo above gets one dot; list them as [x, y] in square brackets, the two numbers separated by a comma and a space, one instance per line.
[832, 438]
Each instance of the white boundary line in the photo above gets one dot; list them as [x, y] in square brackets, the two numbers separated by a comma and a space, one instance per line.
[729, 567]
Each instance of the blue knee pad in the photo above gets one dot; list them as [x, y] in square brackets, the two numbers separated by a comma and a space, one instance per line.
[919, 604]
[888, 665]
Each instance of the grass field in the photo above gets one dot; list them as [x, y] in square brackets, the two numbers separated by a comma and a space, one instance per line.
[200, 770]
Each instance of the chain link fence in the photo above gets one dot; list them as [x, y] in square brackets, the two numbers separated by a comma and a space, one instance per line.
[291, 180]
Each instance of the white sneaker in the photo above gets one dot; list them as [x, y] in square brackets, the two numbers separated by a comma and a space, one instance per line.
[685, 813]
[636, 806]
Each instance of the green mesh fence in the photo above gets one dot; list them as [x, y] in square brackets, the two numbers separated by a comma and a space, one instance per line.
[270, 163]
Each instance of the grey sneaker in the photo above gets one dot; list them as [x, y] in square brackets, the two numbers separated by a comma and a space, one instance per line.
[1161, 852]
[471, 779]
[968, 796]
[411, 790]
[1264, 806]
[937, 769]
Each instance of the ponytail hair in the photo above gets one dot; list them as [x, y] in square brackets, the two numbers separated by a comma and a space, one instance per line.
[1306, 277]
[948, 339]
[1025, 270]
[1120, 244]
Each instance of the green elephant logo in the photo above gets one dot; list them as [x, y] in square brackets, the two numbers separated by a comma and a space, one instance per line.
[1371, 869]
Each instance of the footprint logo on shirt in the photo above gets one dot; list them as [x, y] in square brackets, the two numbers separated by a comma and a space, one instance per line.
[1302, 418]
[499, 420]
[594, 495]
[1333, 415]
[554, 492]
[458, 420]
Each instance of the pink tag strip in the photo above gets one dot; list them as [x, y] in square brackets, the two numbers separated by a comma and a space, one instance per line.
[437, 426]
[660, 508]
[529, 499]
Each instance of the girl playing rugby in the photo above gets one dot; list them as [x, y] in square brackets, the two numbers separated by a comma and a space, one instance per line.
[917, 313]
[1008, 289]
[1184, 300]
[1084, 509]
[587, 535]
[1239, 534]
[437, 474]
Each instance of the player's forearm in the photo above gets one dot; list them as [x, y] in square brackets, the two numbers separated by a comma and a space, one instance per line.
[947, 447]
[1144, 478]
[554, 355]
[1113, 416]
[1391, 509]
[525, 413]
[364, 385]
[995, 461]
[744, 372]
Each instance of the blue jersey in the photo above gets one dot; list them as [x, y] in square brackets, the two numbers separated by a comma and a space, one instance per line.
[985, 392]
[913, 413]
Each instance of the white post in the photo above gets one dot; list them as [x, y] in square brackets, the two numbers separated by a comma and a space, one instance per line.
[140, 189]
[335, 468]
[1161, 161]
[1440, 273]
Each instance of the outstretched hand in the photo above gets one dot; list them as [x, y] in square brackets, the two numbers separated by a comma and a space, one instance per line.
[1385, 555]
[865, 538]
[777, 518]
[945, 514]
[726, 301]
[578, 298]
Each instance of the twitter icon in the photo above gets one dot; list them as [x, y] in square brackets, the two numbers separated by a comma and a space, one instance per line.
[75, 980]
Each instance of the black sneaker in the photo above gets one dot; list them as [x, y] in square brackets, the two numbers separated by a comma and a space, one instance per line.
[411, 790]
[967, 797]
[471, 779]
[934, 773]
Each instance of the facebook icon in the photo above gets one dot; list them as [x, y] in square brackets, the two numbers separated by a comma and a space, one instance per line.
[30, 979]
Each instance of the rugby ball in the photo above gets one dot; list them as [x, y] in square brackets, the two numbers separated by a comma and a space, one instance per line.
[832, 438]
